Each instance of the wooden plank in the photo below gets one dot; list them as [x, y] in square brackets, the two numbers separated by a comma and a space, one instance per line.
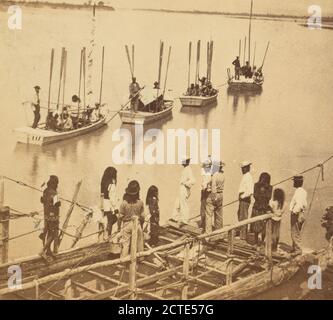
[132, 269]
[84, 287]
[151, 295]
[186, 267]
[220, 256]
[104, 277]
[140, 282]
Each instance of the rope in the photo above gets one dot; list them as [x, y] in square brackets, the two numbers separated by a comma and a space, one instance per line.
[320, 165]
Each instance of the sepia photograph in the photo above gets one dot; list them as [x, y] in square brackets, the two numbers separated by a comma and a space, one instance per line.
[166, 150]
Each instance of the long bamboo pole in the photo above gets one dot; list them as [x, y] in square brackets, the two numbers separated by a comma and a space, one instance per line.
[186, 270]
[64, 78]
[60, 76]
[160, 61]
[197, 70]
[254, 54]
[129, 60]
[166, 72]
[133, 59]
[244, 51]
[84, 82]
[102, 74]
[208, 55]
[211, 59]
[133, 255]
[263, 61]
[189, 64]
[250, 23]
[50, 81]
[240, 49]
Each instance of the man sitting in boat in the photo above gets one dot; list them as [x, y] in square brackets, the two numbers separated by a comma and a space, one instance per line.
[134, 89]
[236, 63]
[247, 70]
[190, 90]
[36, 107]
[95, 115]
[49, 121]
[258, 76]
[67, 122]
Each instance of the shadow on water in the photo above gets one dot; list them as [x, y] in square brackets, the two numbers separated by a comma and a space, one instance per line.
[239, 96]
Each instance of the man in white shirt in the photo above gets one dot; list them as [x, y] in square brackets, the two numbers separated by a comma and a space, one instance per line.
[245, 193]
[35, 104]
[181, 212]
[297, 209]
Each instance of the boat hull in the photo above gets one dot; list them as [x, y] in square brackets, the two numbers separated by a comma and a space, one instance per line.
[42, 137]
[129, 117]
[244, 85]
[193, 101]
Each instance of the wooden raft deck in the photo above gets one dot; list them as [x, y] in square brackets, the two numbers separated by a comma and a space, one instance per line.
[186, 265]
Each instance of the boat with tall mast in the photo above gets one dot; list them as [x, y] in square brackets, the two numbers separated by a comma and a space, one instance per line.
[204, 94]
[248, 77]
[83, 119]
[152, 104]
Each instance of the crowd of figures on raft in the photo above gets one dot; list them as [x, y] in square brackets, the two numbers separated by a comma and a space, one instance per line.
[69, 118]
[204, 89]
[115, 220]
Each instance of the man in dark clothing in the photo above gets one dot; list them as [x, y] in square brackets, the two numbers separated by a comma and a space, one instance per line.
[36, 106]
[236, 63]
[51, 204]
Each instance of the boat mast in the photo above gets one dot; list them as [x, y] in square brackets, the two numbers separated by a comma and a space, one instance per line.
[189, 64]
[160, 66]
[166, 72]
[102, 74]
[50, 81]
[249, 53]
[198, 63]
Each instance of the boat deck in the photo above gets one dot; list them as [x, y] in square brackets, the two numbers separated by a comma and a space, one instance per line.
[221, 268]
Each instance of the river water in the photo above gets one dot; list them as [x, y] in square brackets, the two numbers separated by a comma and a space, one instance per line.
[284, 130]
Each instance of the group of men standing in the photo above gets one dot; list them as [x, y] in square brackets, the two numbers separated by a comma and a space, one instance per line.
[211, 209]
[246, 70]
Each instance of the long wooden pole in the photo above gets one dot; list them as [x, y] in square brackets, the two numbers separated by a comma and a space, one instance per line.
[208, 55]
[160, 61]
[50, 81]
[64, 78]
[4, 234]
[254, 54]
[80, 76]
[244, 50]
[240, 49]
[84, 82]
[60, 77]
[211, 59]
[132, 270]
[197, 70]
[268, 240]
[250, 22]
[2, 191]
[263, 61]
[102, 74]
[166, 72]
[186, 269]
[189, 64]
[129, 60]
[133, 59]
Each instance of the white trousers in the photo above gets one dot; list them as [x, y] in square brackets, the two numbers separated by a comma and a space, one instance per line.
[181, 211]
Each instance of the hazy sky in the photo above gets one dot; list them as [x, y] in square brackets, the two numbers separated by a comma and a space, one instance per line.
[293, 7]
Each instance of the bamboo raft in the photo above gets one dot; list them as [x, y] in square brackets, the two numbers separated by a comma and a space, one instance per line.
[186, 265]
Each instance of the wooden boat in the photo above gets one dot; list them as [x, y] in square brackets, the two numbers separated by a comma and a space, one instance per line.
[244, 84]
[40, 136]
[145, 117]
[197, 101]
[186, 265]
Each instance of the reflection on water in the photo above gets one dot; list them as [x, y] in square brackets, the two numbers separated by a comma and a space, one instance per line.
[244, 96]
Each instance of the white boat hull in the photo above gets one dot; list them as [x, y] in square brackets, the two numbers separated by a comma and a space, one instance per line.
[194, 101]
[42, 137]
[239, 85]
[130, 117]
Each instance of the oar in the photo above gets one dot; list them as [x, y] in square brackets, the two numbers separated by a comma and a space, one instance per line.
[129, 60]
[263, 61]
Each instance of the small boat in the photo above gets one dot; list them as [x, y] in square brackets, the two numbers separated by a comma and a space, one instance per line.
[186, 265]
[145, 117]
[197, 101]
[40, 136]
[245, 84]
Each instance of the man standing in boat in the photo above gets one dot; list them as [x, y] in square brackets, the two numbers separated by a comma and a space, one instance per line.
[36, 107]
[245, 193]
[297, 209]
[134, 89]
[181, 212]
[51, 204]
[237, 65]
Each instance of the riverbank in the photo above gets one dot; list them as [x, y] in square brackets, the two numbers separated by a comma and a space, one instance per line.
[45, 4]
[243, 15]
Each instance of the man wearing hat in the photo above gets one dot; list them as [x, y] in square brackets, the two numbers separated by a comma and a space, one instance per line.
[245, 193]
[134, 89]
[206, 173]
[236, 63]
[215, 199]
[181, 212]
[36, 107]
[297, 209]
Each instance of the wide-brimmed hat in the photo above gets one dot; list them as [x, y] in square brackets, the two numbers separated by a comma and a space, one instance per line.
[37, 87]
[245, 164]
[133, 188]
